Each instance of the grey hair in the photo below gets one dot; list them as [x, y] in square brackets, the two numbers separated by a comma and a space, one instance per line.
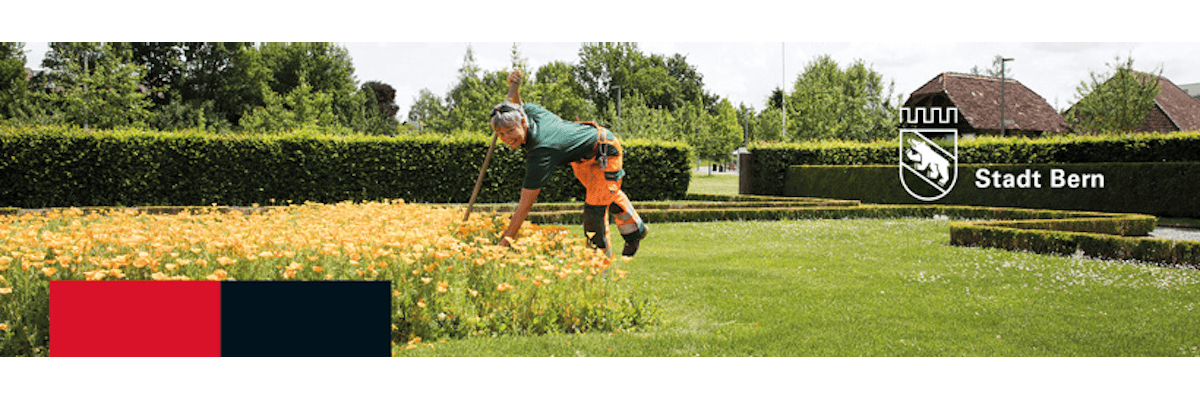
[508, 115]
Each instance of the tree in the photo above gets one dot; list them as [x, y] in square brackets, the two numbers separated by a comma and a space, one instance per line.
[384, 97]
[725, 134]
[232, 76]
[326, 67]
[766, 127]
[470, 100]
[428, 111]
[998, 65]
[376, 111]
[775, 100]
[95, 87]
[668, 83]
[643, 122]
[555, 89]
[12, 79]
[1116, 101]
[830, 103]
[302, 107]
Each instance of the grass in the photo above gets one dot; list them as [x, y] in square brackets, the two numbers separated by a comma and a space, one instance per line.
[723, 184]
[875, 288]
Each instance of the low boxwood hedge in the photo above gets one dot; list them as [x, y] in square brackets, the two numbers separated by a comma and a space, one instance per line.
[1160, 251]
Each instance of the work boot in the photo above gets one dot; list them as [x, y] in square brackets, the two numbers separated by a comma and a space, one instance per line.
[633, 239]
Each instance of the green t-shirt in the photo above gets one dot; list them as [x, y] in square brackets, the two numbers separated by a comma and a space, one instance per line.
[551, 141]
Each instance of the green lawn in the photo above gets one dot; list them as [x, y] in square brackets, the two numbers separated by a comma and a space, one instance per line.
[725, 184]
[876, 288]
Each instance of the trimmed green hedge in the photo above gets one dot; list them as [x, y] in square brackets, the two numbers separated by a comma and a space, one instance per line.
[63, 166]
[1160, 251]
[1080, 221]
[771, 160]
[1165, 188]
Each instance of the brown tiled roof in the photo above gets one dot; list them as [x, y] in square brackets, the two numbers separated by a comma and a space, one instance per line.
[978, 100]
[1181, 109]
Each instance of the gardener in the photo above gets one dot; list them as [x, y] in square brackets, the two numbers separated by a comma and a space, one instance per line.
[593, 153]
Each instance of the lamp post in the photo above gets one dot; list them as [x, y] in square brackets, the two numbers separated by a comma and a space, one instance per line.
[618, 108]
[1002, 123]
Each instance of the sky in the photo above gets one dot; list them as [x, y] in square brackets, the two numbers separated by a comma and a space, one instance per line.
[747, 72]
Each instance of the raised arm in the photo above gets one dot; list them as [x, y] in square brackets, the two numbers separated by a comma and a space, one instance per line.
[514, 87]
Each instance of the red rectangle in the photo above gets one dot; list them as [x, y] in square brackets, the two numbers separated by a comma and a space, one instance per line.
[135, 319]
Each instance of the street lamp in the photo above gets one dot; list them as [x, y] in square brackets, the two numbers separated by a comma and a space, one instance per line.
[1002, 122]
[618, 108]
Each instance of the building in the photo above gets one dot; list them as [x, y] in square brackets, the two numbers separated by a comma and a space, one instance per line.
[977, 98]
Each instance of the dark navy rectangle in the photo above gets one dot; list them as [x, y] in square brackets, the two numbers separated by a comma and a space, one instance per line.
[306, 319]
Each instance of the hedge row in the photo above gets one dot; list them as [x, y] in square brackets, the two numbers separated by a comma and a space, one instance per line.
[1165, 189]
[64, 166]
[1160, 251]
[1103, 235]
[771, 160]
[850, 210]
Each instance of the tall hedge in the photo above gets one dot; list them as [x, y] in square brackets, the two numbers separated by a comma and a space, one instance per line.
[63, 166]
[771, 160]
[1162, 188]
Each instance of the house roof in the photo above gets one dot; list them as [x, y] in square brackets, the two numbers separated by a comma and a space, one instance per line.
[1182, 109]
[978, 100]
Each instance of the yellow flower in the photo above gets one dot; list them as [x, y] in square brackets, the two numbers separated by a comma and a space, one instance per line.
[223, 260]
[49, 271]
[421, 303]
[3, 326]
[317, 269]
[426, 280]
[443, 286]
[5, 290]
[503, 286]
[95, 275]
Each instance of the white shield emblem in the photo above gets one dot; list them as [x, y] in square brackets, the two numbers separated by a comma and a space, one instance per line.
[928, 171]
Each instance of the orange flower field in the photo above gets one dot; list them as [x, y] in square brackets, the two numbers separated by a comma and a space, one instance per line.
[449, 279]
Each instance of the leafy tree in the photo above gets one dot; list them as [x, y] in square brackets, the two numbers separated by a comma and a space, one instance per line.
[326, 67]
[669, 83]
[828, 102]
[555, 89]
[766, 126]
[471, 99]
[384, 97]
[1116, 101]
[94, 86]
[12, 79]
[428, 111]
[232, 76]
[302, 107]
[641, 121]
[724, 134]
[775, 100]
[369, 117]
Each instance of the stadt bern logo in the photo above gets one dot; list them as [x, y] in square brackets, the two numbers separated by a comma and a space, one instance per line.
[927, 170]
